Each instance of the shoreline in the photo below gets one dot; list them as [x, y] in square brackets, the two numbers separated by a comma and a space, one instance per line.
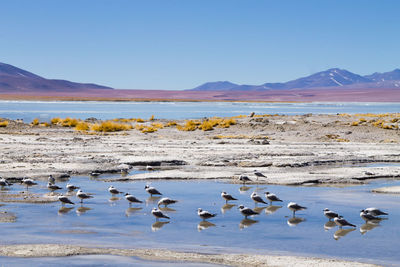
[230, 259]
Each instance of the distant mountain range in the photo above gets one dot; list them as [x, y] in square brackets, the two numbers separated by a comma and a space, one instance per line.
[13, 79]
[329, 79]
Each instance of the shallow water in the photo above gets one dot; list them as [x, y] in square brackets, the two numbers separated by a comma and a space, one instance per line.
[111, 223]
[28, 110]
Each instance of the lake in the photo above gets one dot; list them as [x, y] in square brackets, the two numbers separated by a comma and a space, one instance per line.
[28, 110]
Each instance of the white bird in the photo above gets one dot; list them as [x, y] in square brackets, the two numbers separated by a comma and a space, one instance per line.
[71, 187]
[330, 214]
[205, 214]
[368, 217]
[245, 211]
[28, 182]
[244, 179]
[149, 168]
[295, 207]
[114, 190]
[151, 190]
[158, 214]
[375, 211]
[80, 194]
[3, 182]
[259, 174]
[272, 197]
[257, 199]
[53, 187]
[227, 197]
[64, 200]
[340, 221]
[51, 179]
[132, 199]
[166, 201]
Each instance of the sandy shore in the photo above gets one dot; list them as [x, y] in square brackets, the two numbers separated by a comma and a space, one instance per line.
[291, 150]
[54, 250]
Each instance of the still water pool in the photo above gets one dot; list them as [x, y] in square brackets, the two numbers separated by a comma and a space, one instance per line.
[111, 222]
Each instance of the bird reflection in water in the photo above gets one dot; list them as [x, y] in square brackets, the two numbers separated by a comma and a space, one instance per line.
[244, 189]
[157, 225]
[342, 232]
[130, 211]
[294, 221]
[113, 200]
[167, 209]
[82, 210]
[259, 209]
[64, 210]
[204, 225]
[272, 209]
[152, 200]
[227, 207]
[368, 226]
[329, 225]
[246, 223]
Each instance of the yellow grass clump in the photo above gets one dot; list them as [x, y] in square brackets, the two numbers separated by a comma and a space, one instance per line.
[139, 120]
[149, 129]
[170, 124]
[226, 123]
[69, 122]
[190, 125]
[355, 123]
[82, 126]
[157, 125]
[151, 118]
[3, 123]
[110, 126]
[35, 121]
[206, 125]
[44, 124]
[56, 120]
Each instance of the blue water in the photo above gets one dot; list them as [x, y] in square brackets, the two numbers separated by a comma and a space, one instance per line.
[102, 221]
[28, 110]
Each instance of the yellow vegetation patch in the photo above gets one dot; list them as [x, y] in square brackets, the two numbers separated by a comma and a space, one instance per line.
[35, 121]
[170, 124]
[56, 120]
[149, 129]
[190, 125]
[151, 118]
[355, 123]
[82, 126]
[3, 123]
[110, 126]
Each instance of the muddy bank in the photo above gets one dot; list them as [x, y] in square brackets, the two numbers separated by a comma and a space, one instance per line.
[295, 150]
[55, 250]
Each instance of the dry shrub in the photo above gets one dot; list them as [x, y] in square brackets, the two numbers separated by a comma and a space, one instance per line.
[3, 123]
[226, 123]
[140, 120]
[354, 123]
[44, 124]
[151, 118]
[110, 126]
[56, 120]
[69, 122]
[170, 124]
[149, 129]
[82, 126]
[190, 125]
[139, 127]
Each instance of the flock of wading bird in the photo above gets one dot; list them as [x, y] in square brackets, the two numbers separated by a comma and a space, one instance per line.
[370, 215]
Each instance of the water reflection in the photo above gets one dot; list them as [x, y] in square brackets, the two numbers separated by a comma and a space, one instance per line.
[204, 225]
[152, 200]
[227, 207]
[130, 211]
[342, 232]
[272, 209]
[294, 221]
[246, 223]
[368, 226]
[259, 209]
[329, 225]
[64, 210]
[157, 225]
[113, 200]
[82, 210]
[244, 189]
[167, 209]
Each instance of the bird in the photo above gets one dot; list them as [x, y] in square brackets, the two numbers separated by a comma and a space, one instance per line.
[65, 200]
[368, 217]
[151, 190]
[53, 187]
[205, 214]
[245, 211]
[132, 199]
[3, 182]
[259, 174]
[272, 197]
[330, 214]
[375, 211]
[28, 182]
[51, 179]
[340, 221]
[95, 174]
[149, 168]
[227, 197]
[166, 201]
[257, 199]
[114, 190]
[80, 194]
[158, 214]
[295, 207]
[71, 187]
[244, 179]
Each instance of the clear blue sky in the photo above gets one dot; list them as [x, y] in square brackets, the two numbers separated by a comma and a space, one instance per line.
[167, 44]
